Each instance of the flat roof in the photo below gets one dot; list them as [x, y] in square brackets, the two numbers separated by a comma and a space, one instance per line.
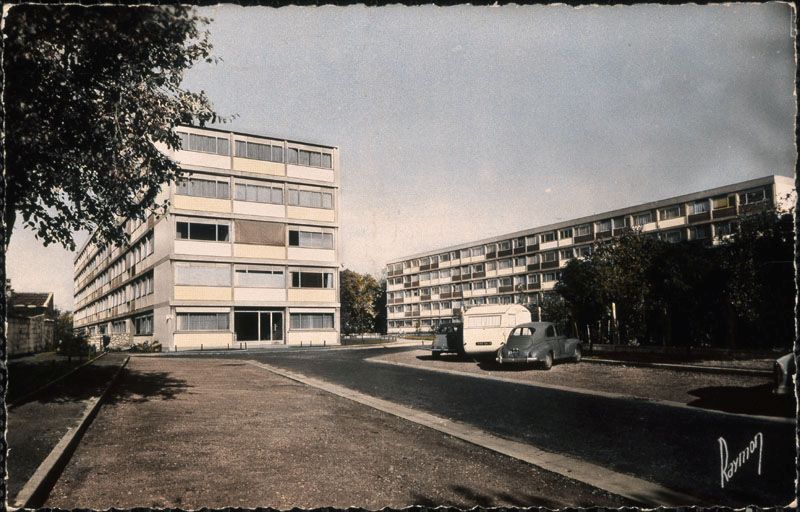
[220, 130]
[725, 189]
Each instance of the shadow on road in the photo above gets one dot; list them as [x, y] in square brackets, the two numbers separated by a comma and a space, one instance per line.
[446, 358]
[85, 383]
[744, 400]
[138, 387]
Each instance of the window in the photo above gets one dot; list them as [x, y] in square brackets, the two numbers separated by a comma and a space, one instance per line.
[309, 158]
[479, 285]
[310, 199]
[203, 321]
[583, 230]
[505, 245]
[548, 237]
[533, 278]
[444, 257]
[308, 321]
[504, 264]
[699, 207]
[699, 232]
[310, 239]
[213, 231]
[118, 327]
[550, 256]
[203, 188]
[478, 268]
[477, 251]
[532, 240]
[202, 274]
[641, 219]
[491, 283]
[604, 226]
[722, 202]
[518, 243]
[566, 254]
[584, 251]
[259, 193]
[254, 151]
[673, 236]
[204, 143]
[519, 261]
[444, 274]
[752, 196]
[670, 212]
[549, 277]
[723, 229]
[565, 233]
[492, 265]
[260, 277]
[619, 222]
[484, 321]
[312, 279]
[143, 325]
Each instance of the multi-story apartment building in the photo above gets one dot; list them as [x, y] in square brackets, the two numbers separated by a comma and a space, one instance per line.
[247, 252]
[426, 289]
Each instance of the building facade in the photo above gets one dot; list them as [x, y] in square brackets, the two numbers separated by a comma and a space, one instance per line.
[247, 253]
[426, 289]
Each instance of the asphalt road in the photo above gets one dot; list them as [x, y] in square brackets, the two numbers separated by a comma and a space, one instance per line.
[675, 447]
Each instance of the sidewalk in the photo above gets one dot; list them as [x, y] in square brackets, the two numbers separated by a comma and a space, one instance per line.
[191, 433]
[38, 423]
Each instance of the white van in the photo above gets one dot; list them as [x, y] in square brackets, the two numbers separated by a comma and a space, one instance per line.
[486, 328]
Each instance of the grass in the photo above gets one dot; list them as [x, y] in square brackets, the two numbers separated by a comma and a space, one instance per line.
[29, 374]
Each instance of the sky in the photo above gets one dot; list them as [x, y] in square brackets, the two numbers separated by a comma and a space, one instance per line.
[459, 123]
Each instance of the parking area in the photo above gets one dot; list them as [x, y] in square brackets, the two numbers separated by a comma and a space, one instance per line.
[219, 432]
[731, 393]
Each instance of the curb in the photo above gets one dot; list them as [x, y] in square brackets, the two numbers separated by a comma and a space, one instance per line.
[26, 396]
[36, 490]
[682, 367]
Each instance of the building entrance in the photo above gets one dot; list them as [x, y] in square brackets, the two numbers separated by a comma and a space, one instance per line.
[258, 325]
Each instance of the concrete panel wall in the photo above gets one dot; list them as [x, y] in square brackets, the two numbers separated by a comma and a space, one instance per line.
[319, 214]
[201, 204]
[259, 166]
[312, 337]
[307, 295]
[214, 293]
[259, 251]
[300, 253]
[259, 294]
[310, 173]
[193, 340]
[202, 248]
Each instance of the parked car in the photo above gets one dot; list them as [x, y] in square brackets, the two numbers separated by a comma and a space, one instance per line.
[449, 340]
[538, 343]
[784, 370]
[487, 327]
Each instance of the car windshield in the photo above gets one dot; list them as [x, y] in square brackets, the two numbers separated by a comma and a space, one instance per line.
[521, 337]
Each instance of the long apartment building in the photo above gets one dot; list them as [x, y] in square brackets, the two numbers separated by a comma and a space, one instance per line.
[247, 253]
[429, 288]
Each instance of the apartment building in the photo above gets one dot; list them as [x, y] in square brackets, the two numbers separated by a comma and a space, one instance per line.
[247, 253]
[426, 289]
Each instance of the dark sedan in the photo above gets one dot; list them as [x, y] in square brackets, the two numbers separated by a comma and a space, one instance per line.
[538, 343]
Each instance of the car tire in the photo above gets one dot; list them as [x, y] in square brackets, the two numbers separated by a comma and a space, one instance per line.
[435, 355]
[548, 361]
[577, 357]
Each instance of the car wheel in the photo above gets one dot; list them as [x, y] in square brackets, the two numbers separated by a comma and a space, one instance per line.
[577, 354]
[548, 361]
[435, 355]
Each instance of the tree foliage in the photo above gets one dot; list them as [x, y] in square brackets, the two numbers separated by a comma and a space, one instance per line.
[90, 94]
[739, 292]
[360, 296]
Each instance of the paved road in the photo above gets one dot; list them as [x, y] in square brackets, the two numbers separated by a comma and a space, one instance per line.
[675, 447]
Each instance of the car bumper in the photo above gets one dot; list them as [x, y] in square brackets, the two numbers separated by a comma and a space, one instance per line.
[516, 359]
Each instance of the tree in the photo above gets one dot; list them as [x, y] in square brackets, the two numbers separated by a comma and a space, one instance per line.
[90, 94]
[63, 326]
[359, 295]
[381, 321]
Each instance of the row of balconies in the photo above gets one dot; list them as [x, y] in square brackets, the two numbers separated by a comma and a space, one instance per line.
[126, 277]
[131, 307]
[135, 233]
[487, 292]
[720, 213]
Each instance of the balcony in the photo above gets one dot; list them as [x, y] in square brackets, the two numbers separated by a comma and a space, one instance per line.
[721, 213]
[583, 238]
[532, 248]
[603, 234]
[533, 286]
[520, 250]
[505, 289]
[507, 252]
[533, 266]
[699, 217]
[477, 275]
[549, 264]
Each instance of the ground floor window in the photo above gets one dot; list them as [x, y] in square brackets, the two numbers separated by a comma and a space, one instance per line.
[203, 321]
[143, 325]
[118, 327]
[312, 320]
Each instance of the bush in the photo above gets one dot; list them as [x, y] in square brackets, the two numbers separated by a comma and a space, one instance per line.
[146, 347]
